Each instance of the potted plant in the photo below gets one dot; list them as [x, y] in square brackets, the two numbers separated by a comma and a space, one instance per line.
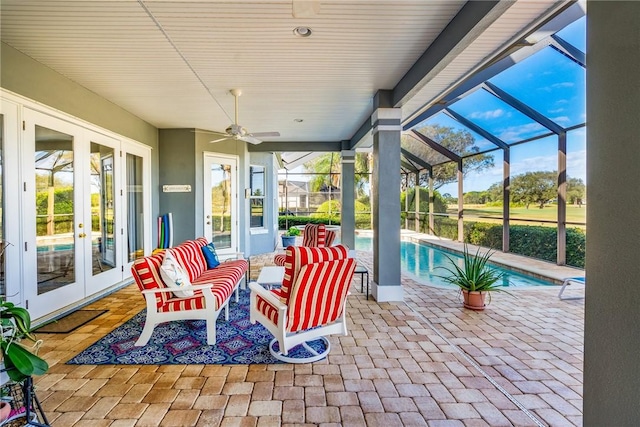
[289, 237]
[475, 278]
[15, 327]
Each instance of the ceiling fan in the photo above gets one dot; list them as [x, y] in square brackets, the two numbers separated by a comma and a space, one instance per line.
[237, 132]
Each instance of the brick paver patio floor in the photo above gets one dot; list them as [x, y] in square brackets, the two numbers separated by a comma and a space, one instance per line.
[426, 361]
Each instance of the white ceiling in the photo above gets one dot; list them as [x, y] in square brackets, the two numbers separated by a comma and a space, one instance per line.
[172, 63]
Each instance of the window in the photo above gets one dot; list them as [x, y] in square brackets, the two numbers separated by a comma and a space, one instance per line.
[256, 182]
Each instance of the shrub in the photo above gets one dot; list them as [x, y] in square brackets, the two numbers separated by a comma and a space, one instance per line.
[286, 221]
[439, 204]
[323, 210]
[530, 240]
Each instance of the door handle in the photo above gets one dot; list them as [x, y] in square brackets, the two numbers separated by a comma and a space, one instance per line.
[208, 222]
[82, 235]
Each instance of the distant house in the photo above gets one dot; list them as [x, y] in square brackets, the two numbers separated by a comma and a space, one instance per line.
[293, 197]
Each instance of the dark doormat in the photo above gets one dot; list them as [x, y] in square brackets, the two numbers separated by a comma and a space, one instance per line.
[70, 322]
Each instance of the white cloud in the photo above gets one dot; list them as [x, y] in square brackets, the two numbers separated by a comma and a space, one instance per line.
[534, 164]
[487, 114]
[516, 133]
[561, 119]
[563, 84]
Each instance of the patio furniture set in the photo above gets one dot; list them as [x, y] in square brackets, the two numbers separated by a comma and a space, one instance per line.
[300, 300]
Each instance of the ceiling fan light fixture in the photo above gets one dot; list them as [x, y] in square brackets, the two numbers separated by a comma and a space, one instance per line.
[302, 31]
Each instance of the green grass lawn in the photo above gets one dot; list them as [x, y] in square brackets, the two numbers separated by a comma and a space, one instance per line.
[548, 213]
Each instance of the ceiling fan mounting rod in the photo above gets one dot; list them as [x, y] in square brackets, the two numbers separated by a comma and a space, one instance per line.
[236, 93]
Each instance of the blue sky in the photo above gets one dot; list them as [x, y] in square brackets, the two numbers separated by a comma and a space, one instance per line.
[548, 82]
[551, 84]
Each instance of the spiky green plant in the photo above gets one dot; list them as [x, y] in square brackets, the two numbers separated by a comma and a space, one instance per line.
[475, 274]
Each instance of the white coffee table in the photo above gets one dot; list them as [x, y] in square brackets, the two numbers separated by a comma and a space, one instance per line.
[271, 276]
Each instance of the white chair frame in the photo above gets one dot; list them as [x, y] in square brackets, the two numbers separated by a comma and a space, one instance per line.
[155, 317]
[568, 281]
[287, 340]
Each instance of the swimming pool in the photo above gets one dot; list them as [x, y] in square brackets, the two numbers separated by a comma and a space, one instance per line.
[424, 262]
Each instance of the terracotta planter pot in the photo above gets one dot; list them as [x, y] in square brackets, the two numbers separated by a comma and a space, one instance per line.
[474, 300]
[5, 410]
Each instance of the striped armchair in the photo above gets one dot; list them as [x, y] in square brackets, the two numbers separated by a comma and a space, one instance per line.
[311, 303]
[314, 236]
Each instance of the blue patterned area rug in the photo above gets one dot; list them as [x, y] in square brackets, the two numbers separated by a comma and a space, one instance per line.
[184, 342]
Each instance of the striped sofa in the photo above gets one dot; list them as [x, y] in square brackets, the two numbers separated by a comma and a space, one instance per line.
[313, 235]
[212, 288]
[311, 303]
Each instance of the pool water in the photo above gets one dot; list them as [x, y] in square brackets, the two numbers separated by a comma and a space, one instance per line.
[426, 263]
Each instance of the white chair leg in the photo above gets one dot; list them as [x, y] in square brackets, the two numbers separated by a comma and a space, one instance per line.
[237, 293]
[566, 283]
[146, 333]
[211, 331]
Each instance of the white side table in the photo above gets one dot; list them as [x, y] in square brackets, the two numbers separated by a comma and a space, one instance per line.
[271, 276]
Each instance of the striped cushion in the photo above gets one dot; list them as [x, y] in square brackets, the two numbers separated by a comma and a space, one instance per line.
[280, 259]
[196, 302]
[190, 257]
[201, 241]
[297, 256]
[224, 278]
[314, 235]
[265, 307]
[329, 238]
[146, 273]
[318, 294]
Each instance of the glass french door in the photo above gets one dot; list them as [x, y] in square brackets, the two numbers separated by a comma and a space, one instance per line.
[221, 202]
[101, 205]
[137, 227]
[71, 213]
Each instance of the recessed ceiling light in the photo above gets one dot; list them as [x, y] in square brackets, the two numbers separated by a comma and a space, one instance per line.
[302, 31]
[298, 120]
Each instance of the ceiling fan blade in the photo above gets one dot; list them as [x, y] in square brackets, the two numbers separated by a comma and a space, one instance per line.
[213, 132]
[221, 139]
[250, 139]
[264, 134]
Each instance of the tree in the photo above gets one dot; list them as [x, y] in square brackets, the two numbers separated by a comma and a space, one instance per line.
[476, 197]
[328, 168]
[439, 203]
[534, 187]
[494, 193]
[576, 191]
[460, 142]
